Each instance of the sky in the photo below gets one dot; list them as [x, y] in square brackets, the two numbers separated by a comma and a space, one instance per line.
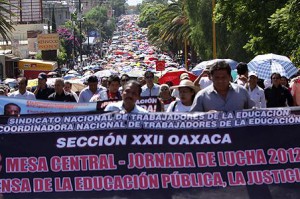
[133, 2]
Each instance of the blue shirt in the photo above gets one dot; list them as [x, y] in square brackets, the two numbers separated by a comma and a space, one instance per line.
[208, 99]
[86, 94]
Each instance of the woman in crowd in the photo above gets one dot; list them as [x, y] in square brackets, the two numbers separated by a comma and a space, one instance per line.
[187, 93]
[165, 96]
[285, 82]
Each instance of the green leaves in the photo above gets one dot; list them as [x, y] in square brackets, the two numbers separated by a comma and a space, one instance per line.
[6, 26]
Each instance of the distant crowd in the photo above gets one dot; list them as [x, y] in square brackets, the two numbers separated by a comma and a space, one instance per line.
[213, 90]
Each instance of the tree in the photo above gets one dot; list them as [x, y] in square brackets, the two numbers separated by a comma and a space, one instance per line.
[97, 19]
[119, 7]
[149, 14]
[286, 22]
[229, 43]
[171, 29]
[250, 18]
[5, 22]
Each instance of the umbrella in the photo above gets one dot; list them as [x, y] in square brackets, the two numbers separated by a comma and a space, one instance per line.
[77, 85]
[197, 70]
[103, 73]
[136, 73]
[69, 76]
[64, 69]
[265, 65]
[52, 73]
[174, 77]
[10, 80]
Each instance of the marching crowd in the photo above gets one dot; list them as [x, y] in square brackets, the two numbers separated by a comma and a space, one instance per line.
[213, 90]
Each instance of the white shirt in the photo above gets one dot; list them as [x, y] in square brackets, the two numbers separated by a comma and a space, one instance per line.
[153, 92]
[118, 106]
[179, 107]
[86, 94]
[102, 96]
[258, 96]
[27, 95]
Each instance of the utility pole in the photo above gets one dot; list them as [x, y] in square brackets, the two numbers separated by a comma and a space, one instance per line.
[80, 32]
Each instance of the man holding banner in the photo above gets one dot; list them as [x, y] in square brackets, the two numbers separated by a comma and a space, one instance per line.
[150, 89]
[22, 92]
[222, 95]
[42, 91]
[93, 88]
[60, 94]
[131, 93]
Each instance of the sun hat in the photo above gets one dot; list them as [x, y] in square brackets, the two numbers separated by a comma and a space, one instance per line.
[186, 83]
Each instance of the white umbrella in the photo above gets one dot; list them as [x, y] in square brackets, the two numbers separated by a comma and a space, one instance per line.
[103, 73]
[265, 65]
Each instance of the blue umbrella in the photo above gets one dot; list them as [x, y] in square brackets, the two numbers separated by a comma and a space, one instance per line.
[265, 65]
[197, 70]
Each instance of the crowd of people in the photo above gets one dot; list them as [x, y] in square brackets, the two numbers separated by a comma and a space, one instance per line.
[220, 94]
[213, 90]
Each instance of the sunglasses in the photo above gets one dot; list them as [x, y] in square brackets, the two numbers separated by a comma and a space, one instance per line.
[125, 80]
[164, 89]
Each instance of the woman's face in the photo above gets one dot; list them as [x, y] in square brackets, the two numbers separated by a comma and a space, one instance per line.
[165, 92]
[283, 81]
[185, 95]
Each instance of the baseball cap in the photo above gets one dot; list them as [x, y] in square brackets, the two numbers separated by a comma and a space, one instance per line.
[42, 76]
[184, 76]
[252, 73]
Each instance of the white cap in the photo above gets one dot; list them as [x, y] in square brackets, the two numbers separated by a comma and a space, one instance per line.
[252, 73]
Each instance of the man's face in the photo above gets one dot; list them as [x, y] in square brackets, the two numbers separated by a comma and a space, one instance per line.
[124, 79]
[253, 80]
[68, 87]
[93, 86]
[220, 79]
[12, 110]
[149, 79]
[276, 80]
[104, 82]
[58, 87]
[42, 82]
[131, 94]
[22, 85]
[114, 87]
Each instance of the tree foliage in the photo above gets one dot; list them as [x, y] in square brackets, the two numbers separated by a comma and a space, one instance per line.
[286, 21]
[97, 19]
[149, 14]
[250, 18]
[243, 28]
[119, 7]
[5, 23]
